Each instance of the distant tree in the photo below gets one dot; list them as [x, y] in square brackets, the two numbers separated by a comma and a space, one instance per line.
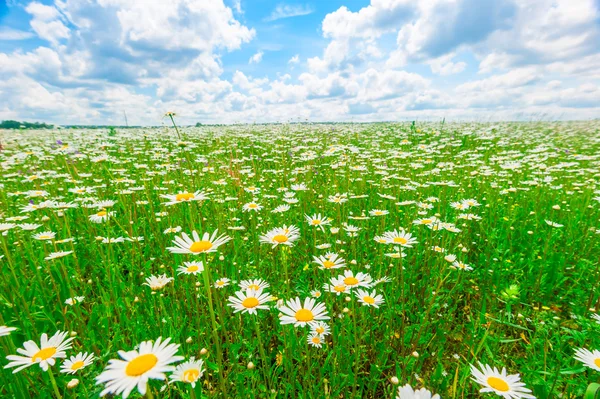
[23, 125]
[198, 124]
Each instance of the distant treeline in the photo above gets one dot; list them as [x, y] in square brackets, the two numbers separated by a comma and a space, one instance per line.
[24, 125]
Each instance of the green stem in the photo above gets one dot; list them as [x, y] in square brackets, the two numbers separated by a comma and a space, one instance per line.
[53, 381]
[214, 330]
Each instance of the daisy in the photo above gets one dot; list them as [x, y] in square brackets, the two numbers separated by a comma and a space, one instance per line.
[320, 328]
[336, 286]
[471, 202]
[461, 266]
[76, 363]
[4, 330]
[426, 221]
[45, 355]
[222, 282]
[184, 197]
[281, 209]
[191, 268]
[59, 254]
[74, 300]
[6, 226]
[45, 236]
[401, 238]
[206, 244]
[151, 361]
[301, 315]
[172, 230]
[369, 299]
[157, 282]
[588, 358]
[314, 339]
[285, 235]
[188, 372]
[596, 317]
[407, 392]
[360, 280]
[251, 206]
[30, 226]
[378, 212]
[256, 284]
[508, 386]
[553, 224]
[101, 216]
[317, 220]
[249, 301]
[332, 261]
[396, 255]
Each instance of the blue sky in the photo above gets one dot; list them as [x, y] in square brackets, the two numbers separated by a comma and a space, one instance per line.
[229, 61]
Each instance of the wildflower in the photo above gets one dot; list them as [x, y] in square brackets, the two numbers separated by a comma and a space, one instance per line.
[157, 282]
[206, 244]
[285, 235]
[77, 362]
[508, 386]
[589, 358]
[191, 268]
[407, 392]
[294, 312]
[45, 355]
[221, 283]
[188, 372]
[369, 299]
[332, 261]
[150, 361]
[4, 330]
[249, 301]
[184, 197]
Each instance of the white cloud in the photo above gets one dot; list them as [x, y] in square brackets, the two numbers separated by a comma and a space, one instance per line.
[14, 34]
[294, 60]
[445, 66]
[256, 58]
[47, 22]
[287, 11]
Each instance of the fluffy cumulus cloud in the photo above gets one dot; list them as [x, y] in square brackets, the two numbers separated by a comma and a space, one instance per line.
[389, 60]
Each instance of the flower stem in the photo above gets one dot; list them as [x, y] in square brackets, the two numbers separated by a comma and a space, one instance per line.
[214, 330]
[53, 381]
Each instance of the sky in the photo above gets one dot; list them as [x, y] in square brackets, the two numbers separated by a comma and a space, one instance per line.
[247, 61]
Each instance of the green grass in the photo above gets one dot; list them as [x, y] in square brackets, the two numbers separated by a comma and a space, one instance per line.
[526, 305]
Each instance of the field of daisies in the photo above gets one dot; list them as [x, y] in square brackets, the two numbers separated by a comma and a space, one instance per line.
[301, 261]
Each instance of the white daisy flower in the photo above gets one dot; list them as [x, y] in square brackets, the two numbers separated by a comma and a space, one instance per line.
[315, 340]
[285, 235]
[332, 261]
[256, 284]
[222, 282]
[77, 362]
[157, 282]
[196, 245]
[369, 299]
[191, 268]
[502, 384]
[4, 330]
[45, 236]
[407, 392]
[45, 355]
[589, 358]
[150, 361]
[101, 216]
[184, 197]
[301, 315]
[188, 372]
[249, 300]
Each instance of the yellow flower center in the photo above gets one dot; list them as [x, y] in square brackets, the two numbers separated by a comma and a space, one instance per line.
[140, 365]
[368, 299]
[220, 283]
[328, 264]
[77, 365]
[280, 238]
[498, 384]
[400, 240]
[44, 354]
[253, 287]
[304, 315]
[101, 213]
[350, 280]
[44, 237]
[192, 268]
[316, 340]
[597, 361]
[320, 330]
[340, 288]
[184, 197]
[316, 221]
[252, 206]
[250, 302]
[191, 375]
[378, 213]
[200, 246]
[426, 221]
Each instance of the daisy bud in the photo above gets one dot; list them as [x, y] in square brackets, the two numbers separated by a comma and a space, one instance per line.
[73, 383]
[60, 213]
[394, 380]
[347, 299]
[250, 365]
[73, 333]
[345, 310]
[89, 281]
[203, 351]
[197, 284]
[45, 219]
[415, 354]
[221, 257]
[189, 340]
[136, 299]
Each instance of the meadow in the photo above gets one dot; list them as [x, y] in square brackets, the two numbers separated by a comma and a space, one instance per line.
[301, 261]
